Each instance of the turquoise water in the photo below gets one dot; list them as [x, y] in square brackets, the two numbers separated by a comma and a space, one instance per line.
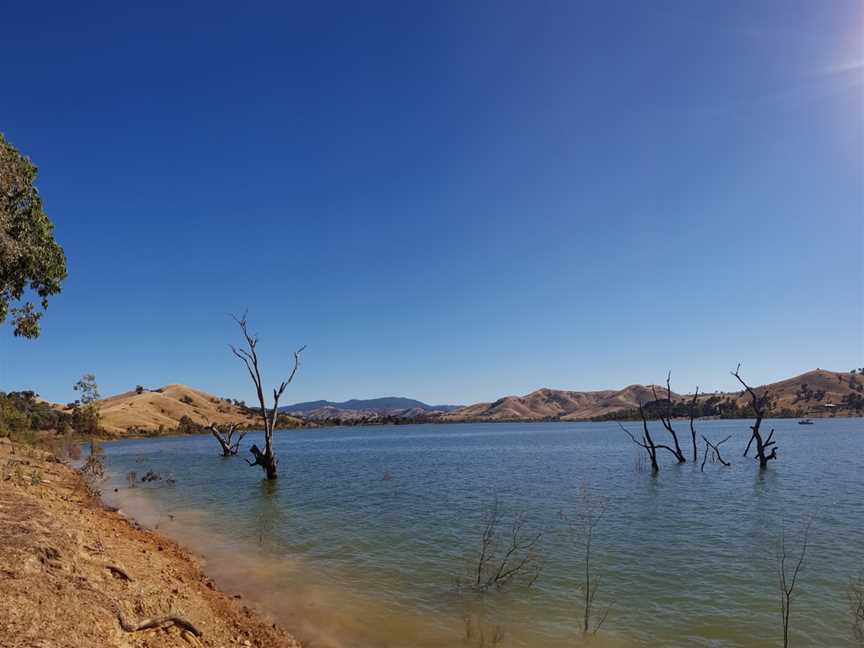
[362, 539]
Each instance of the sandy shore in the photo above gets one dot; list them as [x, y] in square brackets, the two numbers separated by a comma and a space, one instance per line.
[76, 574]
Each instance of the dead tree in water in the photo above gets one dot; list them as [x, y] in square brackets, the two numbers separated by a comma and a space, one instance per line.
[503, 562]
[856, 608]
[266, 459]
[646, 441]
[786, 584]
[229, 447]
[715, 447]
[760, 406]
[582, 525]
[693, 427]
[667, 419]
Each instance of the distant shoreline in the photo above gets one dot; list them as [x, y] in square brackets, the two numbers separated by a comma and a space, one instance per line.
[322, 425]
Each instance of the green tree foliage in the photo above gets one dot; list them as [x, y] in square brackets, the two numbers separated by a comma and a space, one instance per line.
[85, 411]
[13, 421]
[187, 426]
[23, 410]
[30, 258]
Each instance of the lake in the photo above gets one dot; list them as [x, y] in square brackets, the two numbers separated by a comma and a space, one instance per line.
[362, 540]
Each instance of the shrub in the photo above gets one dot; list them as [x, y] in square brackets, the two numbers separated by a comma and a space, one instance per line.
[188, 426]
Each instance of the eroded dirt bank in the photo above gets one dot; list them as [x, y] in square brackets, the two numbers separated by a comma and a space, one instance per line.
[73, 573]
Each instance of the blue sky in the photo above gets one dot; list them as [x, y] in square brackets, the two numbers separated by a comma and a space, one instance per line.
[451, 201]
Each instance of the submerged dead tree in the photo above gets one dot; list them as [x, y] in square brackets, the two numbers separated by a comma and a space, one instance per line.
[582, 526]
[266, 458]
[229, 447]
[666, 419]
[692, 426]
[785, 581]
[646, 441]
[715, 452]
[761, 404]
[856, 608]
[505, 558]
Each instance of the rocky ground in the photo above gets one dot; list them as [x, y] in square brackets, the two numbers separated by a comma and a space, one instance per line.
[73, 573]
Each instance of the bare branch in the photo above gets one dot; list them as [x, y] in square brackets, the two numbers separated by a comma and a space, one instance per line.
[518, 562]
[786, 584]
[759, 408]
[249, 356]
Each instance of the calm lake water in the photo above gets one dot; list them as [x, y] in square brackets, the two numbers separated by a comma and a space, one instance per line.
[362, 539]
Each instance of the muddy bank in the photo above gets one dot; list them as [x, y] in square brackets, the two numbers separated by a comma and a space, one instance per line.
[73, 573]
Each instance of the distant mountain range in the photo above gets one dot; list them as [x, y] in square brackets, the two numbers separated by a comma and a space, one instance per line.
[365, 408]
[812, 393]
[815, 393]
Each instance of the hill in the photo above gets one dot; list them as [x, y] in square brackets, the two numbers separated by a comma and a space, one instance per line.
[812, 393]
[363, 409]
[152, 410]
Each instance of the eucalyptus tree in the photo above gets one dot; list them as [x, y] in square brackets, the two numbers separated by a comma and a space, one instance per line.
[31, 261]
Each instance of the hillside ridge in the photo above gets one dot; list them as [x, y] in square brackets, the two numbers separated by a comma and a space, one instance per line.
[161, 410]
[812, 392]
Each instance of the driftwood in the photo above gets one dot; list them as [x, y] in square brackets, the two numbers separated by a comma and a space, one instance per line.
[158, 622]
[117, 571]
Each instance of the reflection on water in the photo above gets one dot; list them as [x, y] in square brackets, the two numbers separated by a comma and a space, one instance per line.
[361, 539]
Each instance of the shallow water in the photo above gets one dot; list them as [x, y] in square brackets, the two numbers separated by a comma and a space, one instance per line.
[343, 556]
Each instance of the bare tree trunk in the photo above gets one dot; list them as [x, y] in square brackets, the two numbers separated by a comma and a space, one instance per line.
[667, 419]
[786, 584]
[716, 448]
[692, 427]
[646, 441]
[582, 525]
[760, 405]
[504, 561]
[229, 447]
[856, 607]
[266, 459]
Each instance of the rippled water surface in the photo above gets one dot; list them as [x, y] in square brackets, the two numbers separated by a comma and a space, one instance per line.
[360, 541]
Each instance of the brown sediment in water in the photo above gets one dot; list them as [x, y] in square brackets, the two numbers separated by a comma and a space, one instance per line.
[74, 573]
[325, 611]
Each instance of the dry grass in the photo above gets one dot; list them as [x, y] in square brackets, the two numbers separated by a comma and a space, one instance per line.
[575, 406]
[75, 574]
[151, 410]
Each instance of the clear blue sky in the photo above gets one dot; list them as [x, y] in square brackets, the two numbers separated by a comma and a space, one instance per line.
[446, 200]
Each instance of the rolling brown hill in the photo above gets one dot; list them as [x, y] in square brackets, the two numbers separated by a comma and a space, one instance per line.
[810, 393]
[164, 407]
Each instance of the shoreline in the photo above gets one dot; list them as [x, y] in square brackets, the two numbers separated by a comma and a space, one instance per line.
[75, 572]
[302, 428]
